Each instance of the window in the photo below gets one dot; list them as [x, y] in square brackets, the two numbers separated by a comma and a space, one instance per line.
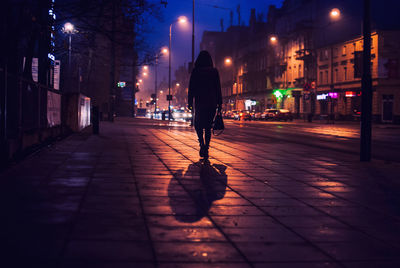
[299, 70]
[326, 55]
[336, 52]
[326, 77]
[321, 78]
[345, 73]
[344, 50]
[336, 75]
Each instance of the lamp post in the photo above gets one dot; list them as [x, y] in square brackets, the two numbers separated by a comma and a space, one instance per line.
[366, 84]
[163, 52]
[69, 29]
[181, 19]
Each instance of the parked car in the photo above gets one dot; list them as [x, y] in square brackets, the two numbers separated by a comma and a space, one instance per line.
[269, 114]
[229, 114]
[283, 115]
[277, 114]
[182, 115]
[257, 116]
[243, 116]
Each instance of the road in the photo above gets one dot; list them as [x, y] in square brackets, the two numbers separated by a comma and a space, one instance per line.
[342, 137]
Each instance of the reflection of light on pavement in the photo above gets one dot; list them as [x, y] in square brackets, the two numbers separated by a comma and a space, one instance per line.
[334, 131]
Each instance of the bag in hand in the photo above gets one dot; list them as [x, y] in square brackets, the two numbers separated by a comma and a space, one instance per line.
[218, 124]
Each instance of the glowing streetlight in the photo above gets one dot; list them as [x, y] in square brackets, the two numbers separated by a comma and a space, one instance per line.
[145, 74]
[140, 81]
[335, 13]
[145, 68]
[228, 61]
[69, 29]
[273, 39]
[182, 19]
[177, 84]
[164, 50]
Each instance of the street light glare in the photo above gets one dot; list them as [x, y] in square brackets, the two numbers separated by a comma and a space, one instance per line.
[182, 19]
[335, 13]
[68, 27]
[177, 84]
[228, 61]
[273, 39]
[145, 67]
[144, 74]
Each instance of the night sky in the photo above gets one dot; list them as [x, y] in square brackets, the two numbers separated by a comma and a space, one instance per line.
[207, 18]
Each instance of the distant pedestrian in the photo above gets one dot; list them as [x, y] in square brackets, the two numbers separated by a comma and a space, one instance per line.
[205, 90]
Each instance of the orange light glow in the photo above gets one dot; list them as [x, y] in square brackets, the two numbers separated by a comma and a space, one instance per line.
[335, 13]
[228, 61]
[182, 19]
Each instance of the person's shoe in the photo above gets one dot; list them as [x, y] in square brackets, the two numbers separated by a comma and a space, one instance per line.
[202, 150]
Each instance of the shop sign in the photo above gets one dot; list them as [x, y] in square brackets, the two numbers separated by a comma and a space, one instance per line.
[330, 95]
[333, 95]
[249, 103]
[350, 94]
[322, 96]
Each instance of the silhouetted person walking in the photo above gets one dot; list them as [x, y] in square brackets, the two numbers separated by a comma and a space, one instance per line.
[205, 89]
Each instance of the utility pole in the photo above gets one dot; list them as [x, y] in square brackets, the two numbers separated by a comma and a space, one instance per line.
[366, 84]
[155, 86]
[112, 71]
[192, 40]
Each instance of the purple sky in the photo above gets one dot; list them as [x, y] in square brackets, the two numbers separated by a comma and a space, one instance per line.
[206, 18]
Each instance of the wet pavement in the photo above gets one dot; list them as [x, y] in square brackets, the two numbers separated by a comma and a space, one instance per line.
[139, 196]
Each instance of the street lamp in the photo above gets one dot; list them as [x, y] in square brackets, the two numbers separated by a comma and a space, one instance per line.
[335, 14]
[181, 20]
[164, 51]
[228, 61]
[69, 29]
[273, 39]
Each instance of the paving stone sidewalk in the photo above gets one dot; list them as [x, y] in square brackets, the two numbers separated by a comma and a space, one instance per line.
[138, 196]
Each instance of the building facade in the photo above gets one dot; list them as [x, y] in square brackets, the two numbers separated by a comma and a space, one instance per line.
[339, 88]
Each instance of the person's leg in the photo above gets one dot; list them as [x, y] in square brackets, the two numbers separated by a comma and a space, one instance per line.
[207, 135]
[199, 132]
[201, 142]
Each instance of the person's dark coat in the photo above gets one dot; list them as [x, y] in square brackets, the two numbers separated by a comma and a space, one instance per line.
[205, 90]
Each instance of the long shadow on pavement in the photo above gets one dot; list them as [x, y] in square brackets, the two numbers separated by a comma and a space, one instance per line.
[203, 183]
